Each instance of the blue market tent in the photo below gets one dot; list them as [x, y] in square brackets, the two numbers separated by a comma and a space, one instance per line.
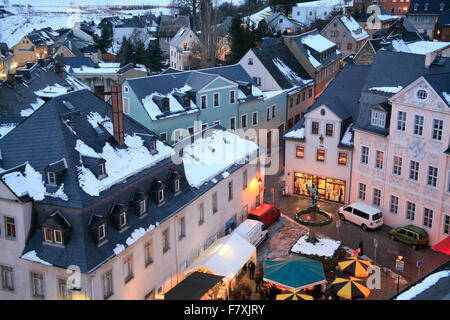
[294, 272]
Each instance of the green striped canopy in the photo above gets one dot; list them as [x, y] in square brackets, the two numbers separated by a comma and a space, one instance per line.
[294, 272]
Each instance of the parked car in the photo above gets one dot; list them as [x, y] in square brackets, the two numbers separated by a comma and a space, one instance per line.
[365, 216]
[412, 235]
[266, 213]
[253, 231]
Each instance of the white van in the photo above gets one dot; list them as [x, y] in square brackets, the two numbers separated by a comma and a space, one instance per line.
[253, 231]
[363, 215]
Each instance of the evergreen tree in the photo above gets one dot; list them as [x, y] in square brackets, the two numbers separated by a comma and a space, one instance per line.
[237, 39]
[105, 40]
[140, 54]
[155, 57]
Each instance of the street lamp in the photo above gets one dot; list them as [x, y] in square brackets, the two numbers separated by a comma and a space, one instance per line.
[399, 266]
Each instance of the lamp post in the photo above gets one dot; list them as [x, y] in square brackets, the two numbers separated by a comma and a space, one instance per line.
[399, 266]
[260, 182]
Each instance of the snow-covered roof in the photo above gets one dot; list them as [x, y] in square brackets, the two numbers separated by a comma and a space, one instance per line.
[258, 16]
[120, 163]
[288, 72]
[317, 42]
[356, 31]
[422, 286]
[387, 89]
[324, 3]
[52, 91]
[424, 47]
[297, 133]
[5, 128]
[212, 154]
[348, 136]
[322, 248]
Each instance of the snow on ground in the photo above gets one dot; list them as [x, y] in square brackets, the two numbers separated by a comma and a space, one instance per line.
[5, 128]
[322, 248]
[208, 156]
[32, 256]
[120, 163]
[298, 133]
[423, 285]
[30, 183]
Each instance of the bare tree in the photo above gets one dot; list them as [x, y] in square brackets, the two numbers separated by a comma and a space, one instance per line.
[193, 5]
[208, 36]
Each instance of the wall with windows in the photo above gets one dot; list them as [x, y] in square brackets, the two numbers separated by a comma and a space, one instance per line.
[15, 221]
[256, 69]
[412, 170]
[319, 158]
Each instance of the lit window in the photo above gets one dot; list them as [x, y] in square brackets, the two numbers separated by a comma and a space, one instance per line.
[397, 167]
[320, 155]
[342, 159]
[300, 152]
[379, 157]
[10, 228]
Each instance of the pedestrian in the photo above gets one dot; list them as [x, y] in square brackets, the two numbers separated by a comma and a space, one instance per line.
[361, 249]
[258, 281]
[251, 269]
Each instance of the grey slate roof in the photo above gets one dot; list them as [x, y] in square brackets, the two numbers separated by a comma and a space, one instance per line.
[15, 99]
[78, 62]
[392, 69]
[179, 36]
[280, 51]
[169, 25]
[346, 106]
[440, 83]
[166, 83]
[402, 28]
[434, 7]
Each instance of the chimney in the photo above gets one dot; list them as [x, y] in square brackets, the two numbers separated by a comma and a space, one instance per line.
[12, 79]
[429, 58]
[258, 44]
[117, 114]
[59, 69]
[100, 92]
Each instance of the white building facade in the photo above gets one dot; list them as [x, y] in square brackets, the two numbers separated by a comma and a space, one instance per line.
[307, 12]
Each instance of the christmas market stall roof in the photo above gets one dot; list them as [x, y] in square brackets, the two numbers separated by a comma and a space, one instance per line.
[443, 246]
[294, 272]
[193, 287]
[225, 256]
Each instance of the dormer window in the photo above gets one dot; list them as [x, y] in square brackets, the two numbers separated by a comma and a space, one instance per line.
[56, 229]
[174, 181]
[101, 234]
[51, 178]
[122, 219]
[442, 6]
[142, 207]
[101, 170]
[426, 6]
[416, 7]
[378, 118]
[177, 185]
[160, 195]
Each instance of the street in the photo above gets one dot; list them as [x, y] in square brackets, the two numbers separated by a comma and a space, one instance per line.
[351, 235]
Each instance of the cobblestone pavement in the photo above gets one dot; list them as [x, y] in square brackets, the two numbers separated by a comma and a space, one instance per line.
[284, 233]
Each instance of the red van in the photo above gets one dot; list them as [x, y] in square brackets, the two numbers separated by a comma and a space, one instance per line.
[266, 213]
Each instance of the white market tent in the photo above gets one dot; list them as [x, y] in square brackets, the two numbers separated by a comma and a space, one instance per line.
[225, 257]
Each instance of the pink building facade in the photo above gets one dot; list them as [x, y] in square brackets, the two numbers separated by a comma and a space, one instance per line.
[407, 172]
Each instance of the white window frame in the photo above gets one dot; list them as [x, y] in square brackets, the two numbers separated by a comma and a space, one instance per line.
[101, 227]
[378, 202]
[376, 160]
[445, 223]
[128, 268]
[177, 185]
[128, 104]
[181, 228]
[378, 118]
[447, 186]
[201, 102]
[124, 216]
[416, 125]
[244, 122]
[161, 195]
[410, 211]
[393, 204]
[13, 225]
[362, 191]
[7, 277]
[45, 235]
[51, 177]
[434, 177]
[364, 155]
[397, 168]
[414, 170]
[441, 130]
[37, 285]
[401, 122]
[218, 99]
[234, 96]
[55, 238]
[428, 218]
[253, 118]
[108, 284]
[148, 252]
[231, 127]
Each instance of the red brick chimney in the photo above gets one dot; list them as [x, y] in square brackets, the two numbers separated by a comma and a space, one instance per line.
[59, 69]
[12, 79]
[117, 114]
